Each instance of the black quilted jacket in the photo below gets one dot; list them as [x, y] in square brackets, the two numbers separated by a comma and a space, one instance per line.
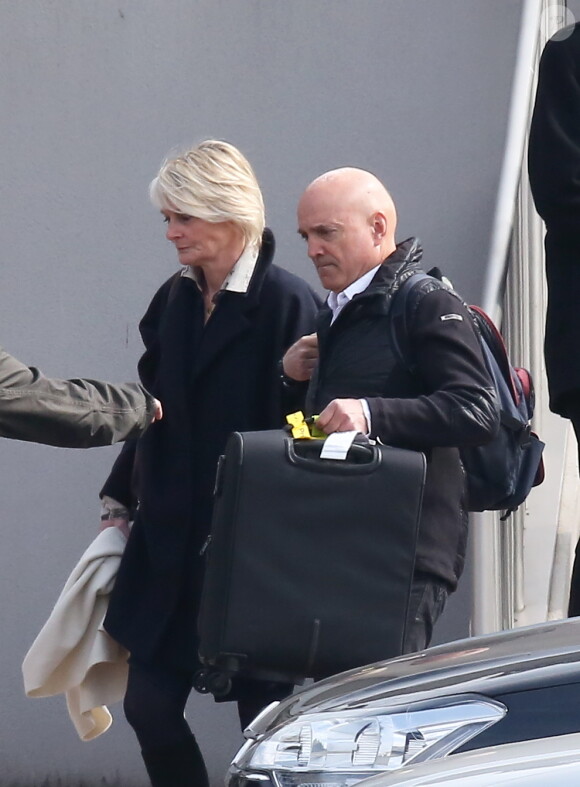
[447, 402]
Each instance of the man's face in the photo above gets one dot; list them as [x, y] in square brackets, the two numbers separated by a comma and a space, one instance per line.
[340, 238]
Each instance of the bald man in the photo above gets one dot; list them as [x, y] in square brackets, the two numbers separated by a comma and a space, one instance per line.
[440, 400]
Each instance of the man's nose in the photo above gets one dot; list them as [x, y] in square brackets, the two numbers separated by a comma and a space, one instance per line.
[314, 248]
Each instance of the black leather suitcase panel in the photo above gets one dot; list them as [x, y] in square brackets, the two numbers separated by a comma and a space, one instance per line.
[310, 561]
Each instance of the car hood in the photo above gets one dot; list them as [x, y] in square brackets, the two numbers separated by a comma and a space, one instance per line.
[534, 763]
[511, 660]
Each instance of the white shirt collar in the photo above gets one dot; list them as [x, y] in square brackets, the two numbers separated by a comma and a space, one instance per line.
[337, 301]
[238, 279]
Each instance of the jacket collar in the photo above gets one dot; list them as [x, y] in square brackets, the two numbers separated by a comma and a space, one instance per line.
[397, 267]
[402, 263]
[238, 279]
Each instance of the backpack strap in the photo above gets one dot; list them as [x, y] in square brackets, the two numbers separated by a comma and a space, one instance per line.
[405, 301]
[491, 341]
[494, 340]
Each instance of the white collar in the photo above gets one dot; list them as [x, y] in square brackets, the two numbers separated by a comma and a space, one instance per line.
[337, 301]
[238, 279]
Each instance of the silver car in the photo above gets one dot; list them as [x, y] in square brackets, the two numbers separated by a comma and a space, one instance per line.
[471, 694]
[547, 762]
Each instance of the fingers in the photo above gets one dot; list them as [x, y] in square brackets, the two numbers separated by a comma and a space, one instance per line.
[310, 341]
[114, 514]
[158, 411]
[300, 359]
[118, 522]
[343, 415]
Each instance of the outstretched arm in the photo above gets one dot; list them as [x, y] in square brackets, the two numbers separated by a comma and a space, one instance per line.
[70, 413]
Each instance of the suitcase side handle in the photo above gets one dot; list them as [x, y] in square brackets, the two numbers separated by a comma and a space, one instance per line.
[361, 459]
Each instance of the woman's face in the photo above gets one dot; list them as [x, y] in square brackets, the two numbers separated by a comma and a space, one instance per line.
[199, 242]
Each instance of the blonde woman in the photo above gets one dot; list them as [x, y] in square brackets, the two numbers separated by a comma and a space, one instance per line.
[214, 335]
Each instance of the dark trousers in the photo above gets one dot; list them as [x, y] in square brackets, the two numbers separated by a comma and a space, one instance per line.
[426, 603]
[156, 697]
[574, 598]
[154, 706]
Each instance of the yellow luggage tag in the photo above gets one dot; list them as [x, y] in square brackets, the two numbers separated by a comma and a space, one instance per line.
[298, 426]
[304, 428]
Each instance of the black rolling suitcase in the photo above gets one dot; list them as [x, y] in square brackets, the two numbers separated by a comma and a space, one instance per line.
[310, 560]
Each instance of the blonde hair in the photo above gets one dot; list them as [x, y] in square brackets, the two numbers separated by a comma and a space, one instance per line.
[214, 182]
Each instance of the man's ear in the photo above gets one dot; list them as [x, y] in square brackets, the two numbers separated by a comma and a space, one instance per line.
[379, 227]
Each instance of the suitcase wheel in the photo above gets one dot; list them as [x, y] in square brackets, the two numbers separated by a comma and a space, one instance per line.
[208, 681]
[200, 681]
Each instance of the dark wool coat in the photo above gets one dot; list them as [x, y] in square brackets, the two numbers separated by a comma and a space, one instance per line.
[554, 168]
[446, 402]
[212, 379]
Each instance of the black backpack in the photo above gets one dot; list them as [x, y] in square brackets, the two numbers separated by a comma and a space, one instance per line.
[501, 473]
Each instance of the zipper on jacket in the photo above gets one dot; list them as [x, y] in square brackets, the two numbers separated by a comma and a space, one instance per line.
[205, 546]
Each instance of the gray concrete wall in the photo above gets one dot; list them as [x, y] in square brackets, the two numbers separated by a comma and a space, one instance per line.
[93, 95]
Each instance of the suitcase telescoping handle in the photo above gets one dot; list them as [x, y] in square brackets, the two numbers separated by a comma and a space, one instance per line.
[361, 458]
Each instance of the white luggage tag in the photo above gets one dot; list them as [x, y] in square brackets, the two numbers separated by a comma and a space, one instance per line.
[337, 445]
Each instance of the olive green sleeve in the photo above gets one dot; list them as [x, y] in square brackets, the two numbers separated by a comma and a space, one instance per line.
[69, 413]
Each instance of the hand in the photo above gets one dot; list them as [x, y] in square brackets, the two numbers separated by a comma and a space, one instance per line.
[300, 359]
[114, 514]
[120, 522]
[343, 415]
[158, 411]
